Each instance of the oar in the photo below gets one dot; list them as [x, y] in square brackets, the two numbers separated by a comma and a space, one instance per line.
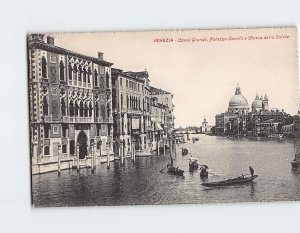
[162, 169]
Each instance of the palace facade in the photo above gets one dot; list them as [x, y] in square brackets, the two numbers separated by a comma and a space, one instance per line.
[70, 102]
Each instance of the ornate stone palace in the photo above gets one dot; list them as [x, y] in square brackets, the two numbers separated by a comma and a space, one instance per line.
[81, 109]
[70, 101]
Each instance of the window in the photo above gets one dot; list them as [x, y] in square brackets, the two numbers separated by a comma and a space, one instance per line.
[63, 107]
[70, 72]
[62, 71]
[107, 80]
[64, 148]
[90, 109]
[84, 75]
[46, 150]
[46, 131]
[85, 109]
[71, 108]
[103, 128]
[55, 129]
[121, 82]
[81, 108]
[64, 131]
[45, 106]
[89, 76]
[96, 78]
[72, 147]
[79, 74]
[127, 83]
[44, 67]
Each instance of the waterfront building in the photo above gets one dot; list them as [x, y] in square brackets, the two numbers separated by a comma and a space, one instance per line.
[162, 114]
[234, 120]
[70, 102]
[261, 121]
[205, 128]
[131, 111]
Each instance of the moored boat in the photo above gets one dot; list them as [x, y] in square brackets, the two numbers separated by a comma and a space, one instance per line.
[175, 170]
[228, 182]
[185, 151]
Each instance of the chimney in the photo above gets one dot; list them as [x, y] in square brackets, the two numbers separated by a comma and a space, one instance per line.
[100, 56]
[50, 40]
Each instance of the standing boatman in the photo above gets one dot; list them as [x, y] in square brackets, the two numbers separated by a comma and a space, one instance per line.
[251, 171]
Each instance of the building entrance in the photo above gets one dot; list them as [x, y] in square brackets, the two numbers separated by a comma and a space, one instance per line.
[82, 142]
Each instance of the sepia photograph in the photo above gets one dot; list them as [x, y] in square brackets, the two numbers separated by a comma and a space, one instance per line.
[163, 117]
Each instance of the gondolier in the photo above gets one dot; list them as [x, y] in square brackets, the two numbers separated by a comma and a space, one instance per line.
[251, 171]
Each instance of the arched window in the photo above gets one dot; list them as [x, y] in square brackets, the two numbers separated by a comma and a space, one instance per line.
[85, 109]
[108, 110]
[90, 109]
[44, 67]
[107, 80]
[97, 109]
[70, 72]
[63, 107]
[96, 78]
[121, 101]
[62, 71]
[79, 73]
[76, 108]
[45, 106]
[81, 108]
[127, 103]
[71, 108]
[89, 76]
[84, 76]
[75, 73]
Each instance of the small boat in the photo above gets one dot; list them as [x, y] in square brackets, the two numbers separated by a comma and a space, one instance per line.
[296, 161]
[185, 151]
[228, 182]
[193, 164]
[196, 139]
[175, 170]
[203, 172]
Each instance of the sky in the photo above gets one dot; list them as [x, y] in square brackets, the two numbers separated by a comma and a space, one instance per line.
[203, 67]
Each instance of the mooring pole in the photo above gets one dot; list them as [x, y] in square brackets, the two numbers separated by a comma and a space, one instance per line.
[107, 155]
[164, 147]
[77, 152]
[58, 157]
[93, 157]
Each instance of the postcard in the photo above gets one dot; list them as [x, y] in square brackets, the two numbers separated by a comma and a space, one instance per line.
[164, 117]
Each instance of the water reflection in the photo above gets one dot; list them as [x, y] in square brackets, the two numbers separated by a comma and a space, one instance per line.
[143, 183]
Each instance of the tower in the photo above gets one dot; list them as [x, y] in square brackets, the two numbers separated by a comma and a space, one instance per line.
[266, 102]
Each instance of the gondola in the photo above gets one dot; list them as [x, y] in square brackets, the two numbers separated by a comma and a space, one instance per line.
[228, 182]
[203, 172]
[175, 171]
[193, 165]
[185, 151]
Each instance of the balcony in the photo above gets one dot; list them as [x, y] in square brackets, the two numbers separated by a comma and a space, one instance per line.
[47, 118]
[134, 111]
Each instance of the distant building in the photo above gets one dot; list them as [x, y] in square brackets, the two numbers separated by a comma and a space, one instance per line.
[205, 128]
[259, 122]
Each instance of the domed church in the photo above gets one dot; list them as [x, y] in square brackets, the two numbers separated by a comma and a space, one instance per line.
[238, 104]
[260, 104]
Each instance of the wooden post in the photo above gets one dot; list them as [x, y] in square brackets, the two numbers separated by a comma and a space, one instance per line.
[157, 149]
[77, 152]
[100, 151]
[122, 152]
[93, 157]
[171, 146]
[58, 157]
[175, 149]
[133, 151]
[164, 147]
[107, 155]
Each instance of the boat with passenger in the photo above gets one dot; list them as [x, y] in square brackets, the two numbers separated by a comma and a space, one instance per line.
[234, 181]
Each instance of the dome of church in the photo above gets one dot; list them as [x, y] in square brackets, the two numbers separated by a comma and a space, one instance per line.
[238, 100]
[257, 103]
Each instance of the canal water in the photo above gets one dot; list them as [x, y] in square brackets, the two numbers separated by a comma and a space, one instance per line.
[143, 183]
